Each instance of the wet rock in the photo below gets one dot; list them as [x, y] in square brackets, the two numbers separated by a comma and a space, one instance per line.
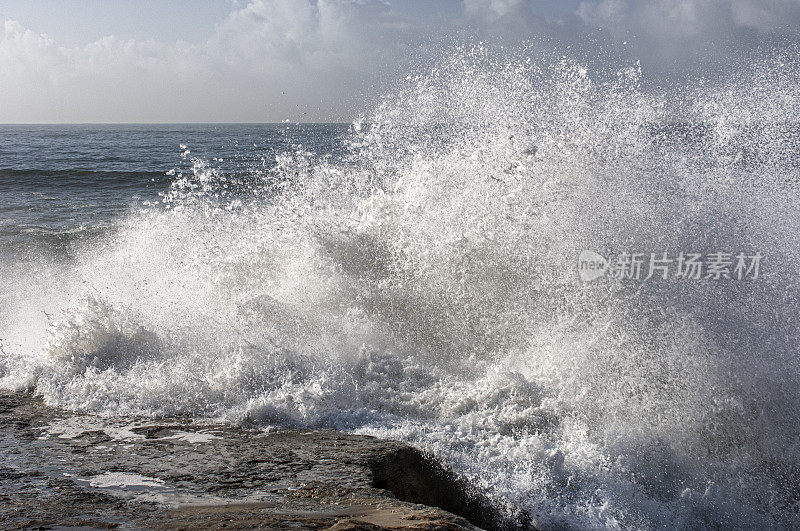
[413, 476]
[80, 470]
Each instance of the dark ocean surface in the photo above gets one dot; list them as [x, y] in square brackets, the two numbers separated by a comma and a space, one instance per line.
[59, 179]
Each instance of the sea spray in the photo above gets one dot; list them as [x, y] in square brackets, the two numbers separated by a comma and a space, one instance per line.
[424, 286]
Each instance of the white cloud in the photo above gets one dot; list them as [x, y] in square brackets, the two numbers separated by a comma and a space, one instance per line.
[24, 53]
[308, 36]
[108, 79]
[269, 60]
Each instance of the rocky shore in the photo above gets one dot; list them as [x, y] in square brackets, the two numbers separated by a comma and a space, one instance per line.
[59, 469]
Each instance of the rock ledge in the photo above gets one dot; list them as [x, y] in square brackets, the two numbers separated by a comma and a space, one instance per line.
[63, 469]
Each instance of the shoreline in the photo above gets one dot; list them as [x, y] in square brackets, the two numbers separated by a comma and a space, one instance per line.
[66, 469]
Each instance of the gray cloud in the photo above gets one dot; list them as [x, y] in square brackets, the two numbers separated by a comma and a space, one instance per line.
[493, 10]
[674, 35]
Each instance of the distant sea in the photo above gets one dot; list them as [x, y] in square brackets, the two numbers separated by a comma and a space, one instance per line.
[59, 180]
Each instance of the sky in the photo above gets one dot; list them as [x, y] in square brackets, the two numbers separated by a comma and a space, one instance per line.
[79, 61]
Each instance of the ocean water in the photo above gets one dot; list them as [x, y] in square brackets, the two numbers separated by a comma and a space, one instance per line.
[414, 275]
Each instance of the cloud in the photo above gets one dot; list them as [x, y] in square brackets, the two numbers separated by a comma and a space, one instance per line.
[324, 59]
[306, 40]
[672, 34]
[108, 78]
[268, 60]
[24, 53]
[492, 10]
[317, 35]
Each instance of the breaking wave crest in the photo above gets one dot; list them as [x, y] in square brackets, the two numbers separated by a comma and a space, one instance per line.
[425, 287]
